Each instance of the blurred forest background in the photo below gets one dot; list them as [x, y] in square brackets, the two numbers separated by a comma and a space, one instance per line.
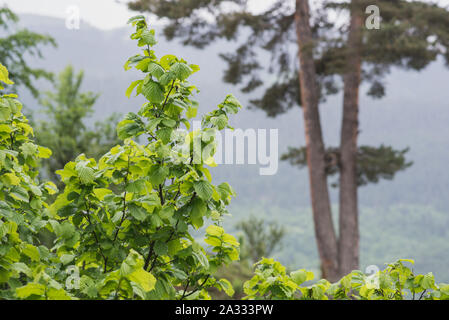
[407, 217]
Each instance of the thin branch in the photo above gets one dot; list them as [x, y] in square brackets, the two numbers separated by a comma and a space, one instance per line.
[105, 259]
[197, 289]
[124, 204]
[422, 294]
[150, 253]
[161, 194]
[166, 98]
[185, 289]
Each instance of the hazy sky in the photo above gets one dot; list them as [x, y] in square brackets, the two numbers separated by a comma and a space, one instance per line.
[104, 14]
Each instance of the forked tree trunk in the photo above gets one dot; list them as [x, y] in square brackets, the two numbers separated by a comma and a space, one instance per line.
[348, 246]
[322, 215]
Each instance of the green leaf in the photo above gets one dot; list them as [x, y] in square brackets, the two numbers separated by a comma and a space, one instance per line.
[57, 294]
[174, 246]
[130, 89]
[44, 153]
[11, 179]
[100, 193]
[181, 70]
[68, 171]
[153, 92]
[160, 248]
[67, 258]
[221, 121]
[144, 279]
[194, 67]
[19, 194]
[155, 70]
[157, 174]
[407, 260]
[85, 173]
[29, 149]
[191, 112]
[4, 128]
[167, 212]
[204, 189]
[21, 268]
[167, 61]
[136, 18]
[214, 230]
[152, 124]
[4, 75]
[166, 78]
[148, 38]
[229, 239]
[143, 64]
[232, 103]
[5, 113]
[214, 242]
[31, 251]
[227, 287]
[165, 134]
[30, 289]
[202, 259]
[301, 276]
[65, 230]
[208, 176]
[137, 212]
[51, 187]
[428, 281]
[169, 122]
[199, 210]
[136, 186]
[225, 190]
[35, 190]
[128, 128]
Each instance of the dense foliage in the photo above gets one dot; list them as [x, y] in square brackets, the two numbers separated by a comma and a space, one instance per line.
[23, 210]
[124, 224]
[126, 220]
[396, 282]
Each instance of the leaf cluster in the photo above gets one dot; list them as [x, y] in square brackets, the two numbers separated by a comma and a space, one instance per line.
[396, 282]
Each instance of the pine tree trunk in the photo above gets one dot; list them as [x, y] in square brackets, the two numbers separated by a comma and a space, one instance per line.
[322, 215]
[348, 215]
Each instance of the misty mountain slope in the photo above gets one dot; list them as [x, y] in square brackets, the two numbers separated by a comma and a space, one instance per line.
[415, 114]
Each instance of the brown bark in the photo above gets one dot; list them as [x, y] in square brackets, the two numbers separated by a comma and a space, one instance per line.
[348, 245]
[322, 215]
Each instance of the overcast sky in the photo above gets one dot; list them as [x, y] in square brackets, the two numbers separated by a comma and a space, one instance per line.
[103, 14]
